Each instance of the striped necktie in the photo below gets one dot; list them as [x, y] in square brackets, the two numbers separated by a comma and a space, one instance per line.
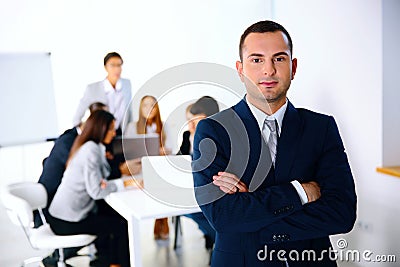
[273, 137]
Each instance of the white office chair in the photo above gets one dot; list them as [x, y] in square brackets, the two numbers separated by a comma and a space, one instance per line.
[20, 200]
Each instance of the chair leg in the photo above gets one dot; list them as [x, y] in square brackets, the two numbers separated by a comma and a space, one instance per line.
[61, 262]
[177, 229]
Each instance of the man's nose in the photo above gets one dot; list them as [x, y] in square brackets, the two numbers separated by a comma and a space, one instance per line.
[269, 68]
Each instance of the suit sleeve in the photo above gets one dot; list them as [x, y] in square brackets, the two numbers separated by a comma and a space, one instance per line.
[335, 211]
[243, 212]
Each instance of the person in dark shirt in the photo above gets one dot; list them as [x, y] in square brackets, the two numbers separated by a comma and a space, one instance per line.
[202, 108]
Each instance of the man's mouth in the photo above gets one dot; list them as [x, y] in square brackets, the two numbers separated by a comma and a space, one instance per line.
[268, 83]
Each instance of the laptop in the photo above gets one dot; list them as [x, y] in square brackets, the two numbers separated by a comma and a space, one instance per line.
[136, 146]
[169, 179]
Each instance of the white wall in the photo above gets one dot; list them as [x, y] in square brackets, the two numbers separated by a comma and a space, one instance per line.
[391, 92]
[339, 49]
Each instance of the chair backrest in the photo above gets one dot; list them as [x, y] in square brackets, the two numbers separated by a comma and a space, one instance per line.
[21, 199]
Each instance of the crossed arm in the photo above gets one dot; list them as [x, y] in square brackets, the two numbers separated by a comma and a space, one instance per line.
[331, 197]
[231, 184]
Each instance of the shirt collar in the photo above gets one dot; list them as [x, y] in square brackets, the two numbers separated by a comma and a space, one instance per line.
[261, 116]
[78, 130]
[109, 88]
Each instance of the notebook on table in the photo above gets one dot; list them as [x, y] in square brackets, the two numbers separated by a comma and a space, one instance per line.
[136, 146]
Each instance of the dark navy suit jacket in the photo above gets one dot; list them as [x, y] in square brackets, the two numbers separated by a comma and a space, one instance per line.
[54, 164]
[252, 227]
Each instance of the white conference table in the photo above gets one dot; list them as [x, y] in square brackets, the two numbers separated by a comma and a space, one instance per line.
[135, 205]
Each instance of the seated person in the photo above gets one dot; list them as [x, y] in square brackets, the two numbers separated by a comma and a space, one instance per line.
[202, 108]
[54, 167]
[73, 209]
[54, 164]
[150, 122]
[186, 147]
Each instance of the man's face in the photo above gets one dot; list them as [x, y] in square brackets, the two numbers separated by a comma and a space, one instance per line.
[267, 68]
[114, 67]
[195, 120]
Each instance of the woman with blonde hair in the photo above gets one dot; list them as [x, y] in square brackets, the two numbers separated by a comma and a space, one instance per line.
[150, 122]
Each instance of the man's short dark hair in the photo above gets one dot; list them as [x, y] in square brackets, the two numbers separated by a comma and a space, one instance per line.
[261, 27]
[205, 105]
[110, 55]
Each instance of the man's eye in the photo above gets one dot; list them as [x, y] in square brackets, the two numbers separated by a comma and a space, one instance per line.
[279, 59]
[257, 60]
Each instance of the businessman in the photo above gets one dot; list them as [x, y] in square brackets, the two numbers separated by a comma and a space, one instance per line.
[270, 177]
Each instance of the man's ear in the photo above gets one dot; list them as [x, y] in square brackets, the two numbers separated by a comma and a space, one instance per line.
[239, 68]
[294, 67]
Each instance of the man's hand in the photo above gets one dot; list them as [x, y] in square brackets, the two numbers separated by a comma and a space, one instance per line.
[133, 182]
[312, 190]
[229, 183]
[131, 167]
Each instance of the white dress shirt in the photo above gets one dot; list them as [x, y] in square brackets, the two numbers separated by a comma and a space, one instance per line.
[278, 116]
[117, 101]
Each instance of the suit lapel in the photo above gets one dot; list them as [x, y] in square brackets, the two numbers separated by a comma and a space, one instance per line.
[259, 161]
[292, 126]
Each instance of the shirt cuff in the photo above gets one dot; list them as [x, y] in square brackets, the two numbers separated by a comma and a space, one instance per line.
[300, 191]
[119, 183]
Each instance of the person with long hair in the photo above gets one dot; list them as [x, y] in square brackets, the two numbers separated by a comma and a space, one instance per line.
[150, 122]
[73, 209]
